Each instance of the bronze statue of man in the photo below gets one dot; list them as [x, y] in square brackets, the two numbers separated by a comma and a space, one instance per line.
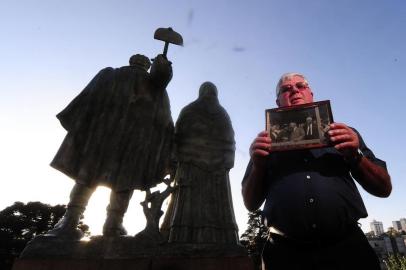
[119, 135]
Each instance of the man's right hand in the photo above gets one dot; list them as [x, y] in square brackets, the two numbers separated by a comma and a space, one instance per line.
[260, 148]
[253, 186]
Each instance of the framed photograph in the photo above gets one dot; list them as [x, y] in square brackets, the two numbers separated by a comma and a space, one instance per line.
[299, 127]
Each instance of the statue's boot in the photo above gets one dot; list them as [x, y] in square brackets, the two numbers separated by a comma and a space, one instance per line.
[67, 226]
[114, 225]
[119, 201]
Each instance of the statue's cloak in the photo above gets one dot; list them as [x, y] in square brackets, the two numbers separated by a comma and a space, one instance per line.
[204, 135]
[202, 210]
[119, 131]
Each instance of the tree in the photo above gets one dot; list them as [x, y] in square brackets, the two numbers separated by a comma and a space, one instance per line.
[254, 237]
[19, 223]
[392, 232]
[395, 262]
[370, 234]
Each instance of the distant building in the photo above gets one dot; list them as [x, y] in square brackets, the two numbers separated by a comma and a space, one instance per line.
[377, 227]
[379, 246]
[385, 245]
[403, 224]
[400, 244]
[397, 225]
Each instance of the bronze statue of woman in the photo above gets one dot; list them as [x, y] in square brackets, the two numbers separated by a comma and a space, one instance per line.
[202, 210]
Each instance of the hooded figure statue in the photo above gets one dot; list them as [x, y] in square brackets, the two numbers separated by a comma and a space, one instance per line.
[202, 209]
[119, 135]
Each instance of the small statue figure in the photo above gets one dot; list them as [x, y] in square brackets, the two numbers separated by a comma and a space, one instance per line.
[152, 211]
[120, 132]
[202, 210]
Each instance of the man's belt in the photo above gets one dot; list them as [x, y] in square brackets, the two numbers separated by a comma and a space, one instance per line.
[279, 238]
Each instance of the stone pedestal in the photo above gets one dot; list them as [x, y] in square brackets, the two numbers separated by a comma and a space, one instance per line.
[100, 253]
[156, 263]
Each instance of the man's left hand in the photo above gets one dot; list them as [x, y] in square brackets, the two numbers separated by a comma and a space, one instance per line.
[344, 138]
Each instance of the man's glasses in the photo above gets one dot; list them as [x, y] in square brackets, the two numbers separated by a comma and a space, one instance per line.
[288, 87]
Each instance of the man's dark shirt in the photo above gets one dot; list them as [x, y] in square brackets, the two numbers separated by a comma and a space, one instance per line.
[311, 193]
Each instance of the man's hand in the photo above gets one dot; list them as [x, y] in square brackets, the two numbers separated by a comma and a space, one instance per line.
[345, 139]
[370, 176]
[253, 187]
[260, 148]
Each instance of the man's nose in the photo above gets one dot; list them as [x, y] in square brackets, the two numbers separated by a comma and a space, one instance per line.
[294, 89]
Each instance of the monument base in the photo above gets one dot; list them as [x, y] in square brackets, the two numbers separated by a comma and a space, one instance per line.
[156, 263]
[108, 253]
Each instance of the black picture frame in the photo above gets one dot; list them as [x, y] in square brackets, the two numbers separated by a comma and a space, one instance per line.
[290, 127]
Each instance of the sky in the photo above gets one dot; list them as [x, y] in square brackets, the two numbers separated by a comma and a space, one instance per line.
[352, 52]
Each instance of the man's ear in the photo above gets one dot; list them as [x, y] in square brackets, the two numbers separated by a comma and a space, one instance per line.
[277, 101]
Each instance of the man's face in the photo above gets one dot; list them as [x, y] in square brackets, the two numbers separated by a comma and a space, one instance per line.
[294, 91]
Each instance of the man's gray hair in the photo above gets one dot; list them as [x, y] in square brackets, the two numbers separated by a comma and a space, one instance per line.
[288, 76]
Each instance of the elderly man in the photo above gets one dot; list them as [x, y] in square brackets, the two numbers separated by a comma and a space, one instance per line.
[312, 204]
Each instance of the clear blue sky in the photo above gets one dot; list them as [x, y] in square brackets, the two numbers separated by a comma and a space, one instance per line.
[353, 53]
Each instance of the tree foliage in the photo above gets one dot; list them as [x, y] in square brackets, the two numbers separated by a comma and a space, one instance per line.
[20, 222]
[395, 262]
[254, 237]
